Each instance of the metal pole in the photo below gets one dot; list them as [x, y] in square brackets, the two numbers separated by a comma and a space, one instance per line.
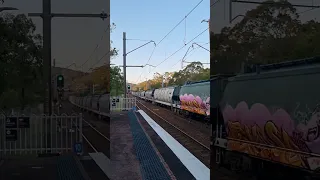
[7, 9]
[212, 149]
[108, 47]
[230, 11]
[133, 66]
[209, 31]
[54, 89]
[201, 47]
[124, 64]
[46, 10]
[46, 19]
[47, 16]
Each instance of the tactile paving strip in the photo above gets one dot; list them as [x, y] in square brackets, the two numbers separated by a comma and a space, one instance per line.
[151, 166]
[68, 169]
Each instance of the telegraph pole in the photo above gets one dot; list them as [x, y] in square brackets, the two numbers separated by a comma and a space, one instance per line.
[54, 92]
[125, 61]
[212, 121]
[47, 16]
[125, 64]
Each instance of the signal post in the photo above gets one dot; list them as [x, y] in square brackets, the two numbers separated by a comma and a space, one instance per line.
[59, 90]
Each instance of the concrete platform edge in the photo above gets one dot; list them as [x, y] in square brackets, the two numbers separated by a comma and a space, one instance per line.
[81, 168]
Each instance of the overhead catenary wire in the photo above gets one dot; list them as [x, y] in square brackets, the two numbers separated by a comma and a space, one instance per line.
[107, 53]
[95, 49]
[137, 40]
[307, 10]
[182, 20]
[146, 63]
[192, 51]
[214, 3]
[188, 54]
[181, 48]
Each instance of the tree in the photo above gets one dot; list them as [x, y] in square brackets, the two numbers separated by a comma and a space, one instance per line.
[267, 34]
[116, 81]
[20, 61]
[103, 78]
[113, 51]
[192, 72]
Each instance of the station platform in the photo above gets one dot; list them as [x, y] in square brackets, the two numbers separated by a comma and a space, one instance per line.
[141, 149]
[64, 167]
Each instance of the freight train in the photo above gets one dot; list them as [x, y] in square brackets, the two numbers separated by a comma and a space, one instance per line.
[267, 120]
[193, 98]
[99, 104]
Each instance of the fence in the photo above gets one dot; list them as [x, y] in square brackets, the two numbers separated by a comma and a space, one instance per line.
[40, 134]
[119, 104]
[116, 104]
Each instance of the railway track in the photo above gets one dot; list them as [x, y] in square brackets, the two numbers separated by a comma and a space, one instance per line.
[197, 125]
[95, 139]
[193, 144]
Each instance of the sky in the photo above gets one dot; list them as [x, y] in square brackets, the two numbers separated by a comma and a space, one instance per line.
[152, 20]
[74, 39]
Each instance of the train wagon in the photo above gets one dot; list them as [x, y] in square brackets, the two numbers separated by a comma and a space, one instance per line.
[104, 103]
[95, 102]
[273, 115]
[87, 103]
[176, 99]
[195, 98]
[142, 93]
[164, 96]
[143, 96]
[149, 95]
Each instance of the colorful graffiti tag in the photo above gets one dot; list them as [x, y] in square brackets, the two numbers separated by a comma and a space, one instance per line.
[273, 136]
[195, 104]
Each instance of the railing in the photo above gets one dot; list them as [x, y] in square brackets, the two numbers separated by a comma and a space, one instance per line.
[116, 104]
[120, 104]
[40, 134]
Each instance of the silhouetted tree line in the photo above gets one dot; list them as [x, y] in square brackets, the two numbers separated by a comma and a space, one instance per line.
[266, 34]
[20, 62]
[194, 71]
